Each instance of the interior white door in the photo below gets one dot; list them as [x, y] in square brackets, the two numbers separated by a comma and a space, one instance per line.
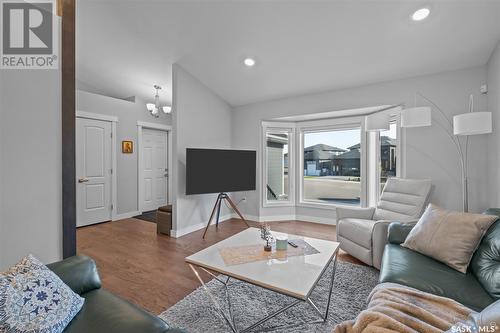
[93, 171]
[154, 169]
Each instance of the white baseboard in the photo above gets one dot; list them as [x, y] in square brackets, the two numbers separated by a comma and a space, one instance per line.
[315, 219]
[291, 217]
[261, 219]
[187, 230]
[272, 218]
[195, 227]
[125, 215]
[247, 217]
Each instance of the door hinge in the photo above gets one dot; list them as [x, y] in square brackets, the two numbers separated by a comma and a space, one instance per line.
[111, 206]
[111, 171]
[111, 134]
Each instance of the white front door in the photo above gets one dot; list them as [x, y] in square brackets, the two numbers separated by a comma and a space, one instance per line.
[93, 171]
[154, 169]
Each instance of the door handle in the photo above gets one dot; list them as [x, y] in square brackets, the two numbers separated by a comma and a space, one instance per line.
[83, 180]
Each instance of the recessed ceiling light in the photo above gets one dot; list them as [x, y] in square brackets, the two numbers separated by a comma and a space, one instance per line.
[421, 14]
[249, 62]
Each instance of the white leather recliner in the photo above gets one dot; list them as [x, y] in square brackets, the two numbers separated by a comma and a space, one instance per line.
[362, 232]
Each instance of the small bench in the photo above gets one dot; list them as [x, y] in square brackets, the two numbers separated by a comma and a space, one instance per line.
[164, 220]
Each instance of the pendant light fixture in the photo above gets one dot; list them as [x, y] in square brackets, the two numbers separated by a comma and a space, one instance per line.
[154, 108]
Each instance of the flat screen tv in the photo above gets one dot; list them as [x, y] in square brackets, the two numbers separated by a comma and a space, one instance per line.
[219, 170]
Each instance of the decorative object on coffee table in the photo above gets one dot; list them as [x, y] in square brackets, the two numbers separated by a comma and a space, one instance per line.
[268, 247]
[281, 243]
[265, 231]
[265, 234]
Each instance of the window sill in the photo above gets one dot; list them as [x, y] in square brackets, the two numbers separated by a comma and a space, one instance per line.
[278, 204]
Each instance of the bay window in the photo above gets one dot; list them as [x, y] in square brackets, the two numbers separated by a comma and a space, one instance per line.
[333, 162]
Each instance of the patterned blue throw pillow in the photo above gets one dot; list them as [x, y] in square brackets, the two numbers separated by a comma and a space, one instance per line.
[33, 299]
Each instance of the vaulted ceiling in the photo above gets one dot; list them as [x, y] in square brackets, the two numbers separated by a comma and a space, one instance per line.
[124, 47]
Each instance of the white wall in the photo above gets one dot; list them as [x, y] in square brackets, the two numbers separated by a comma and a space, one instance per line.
[201, 120]
[494, 142]
[128, 114]
[429, 151]
[30, 174]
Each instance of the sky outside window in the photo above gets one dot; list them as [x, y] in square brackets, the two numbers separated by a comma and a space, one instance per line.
[336, 138]
[339, 138]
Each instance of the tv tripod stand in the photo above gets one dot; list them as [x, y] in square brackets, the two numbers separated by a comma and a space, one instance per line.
[218, 202]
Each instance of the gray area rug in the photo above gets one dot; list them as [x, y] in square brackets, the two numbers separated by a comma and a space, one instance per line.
[353, 283]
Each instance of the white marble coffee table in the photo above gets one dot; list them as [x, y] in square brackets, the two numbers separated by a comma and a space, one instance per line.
[295, 277]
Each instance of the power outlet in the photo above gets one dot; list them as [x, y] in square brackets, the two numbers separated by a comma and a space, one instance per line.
[243, 199]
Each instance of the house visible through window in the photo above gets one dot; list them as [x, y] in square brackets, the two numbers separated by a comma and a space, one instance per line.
[277, 185]
[332, 166]
[388, 156]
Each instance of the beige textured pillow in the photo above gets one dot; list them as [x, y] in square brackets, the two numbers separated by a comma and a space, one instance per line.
[448, 236]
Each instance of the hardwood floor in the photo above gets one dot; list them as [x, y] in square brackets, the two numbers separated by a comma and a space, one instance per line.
[149, 269]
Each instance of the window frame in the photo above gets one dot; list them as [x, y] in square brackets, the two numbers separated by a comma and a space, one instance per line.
[400, 172]
[277, 127]
[344, 123]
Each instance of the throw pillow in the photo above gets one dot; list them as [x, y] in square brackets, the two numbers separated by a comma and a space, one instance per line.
[34, 299]
[448, 236]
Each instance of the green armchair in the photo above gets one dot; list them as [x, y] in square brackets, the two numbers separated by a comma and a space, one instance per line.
[477, 289]
[102, 312]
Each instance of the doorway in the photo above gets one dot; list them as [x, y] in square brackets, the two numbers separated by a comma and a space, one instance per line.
[153, 166]
[95, 160]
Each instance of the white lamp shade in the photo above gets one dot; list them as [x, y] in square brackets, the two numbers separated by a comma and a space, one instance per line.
[150, 107]
[416, 117]
[472, 123]
[377, 122]
[167, 109]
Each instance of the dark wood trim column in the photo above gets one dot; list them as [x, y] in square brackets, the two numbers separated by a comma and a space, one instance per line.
[68, 127]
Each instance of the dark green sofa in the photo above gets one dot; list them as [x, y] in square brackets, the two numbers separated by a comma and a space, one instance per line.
[102, 312]
[477, 289]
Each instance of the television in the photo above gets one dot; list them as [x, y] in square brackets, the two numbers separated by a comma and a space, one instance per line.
[219, 170]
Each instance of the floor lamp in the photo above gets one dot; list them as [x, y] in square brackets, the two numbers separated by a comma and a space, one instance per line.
[466, 124]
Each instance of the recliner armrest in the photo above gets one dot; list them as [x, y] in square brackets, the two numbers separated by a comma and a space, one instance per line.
[358, 213]
[398, 231]
[78, 272]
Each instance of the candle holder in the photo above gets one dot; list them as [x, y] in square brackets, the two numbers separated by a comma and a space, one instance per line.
[268, 247]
